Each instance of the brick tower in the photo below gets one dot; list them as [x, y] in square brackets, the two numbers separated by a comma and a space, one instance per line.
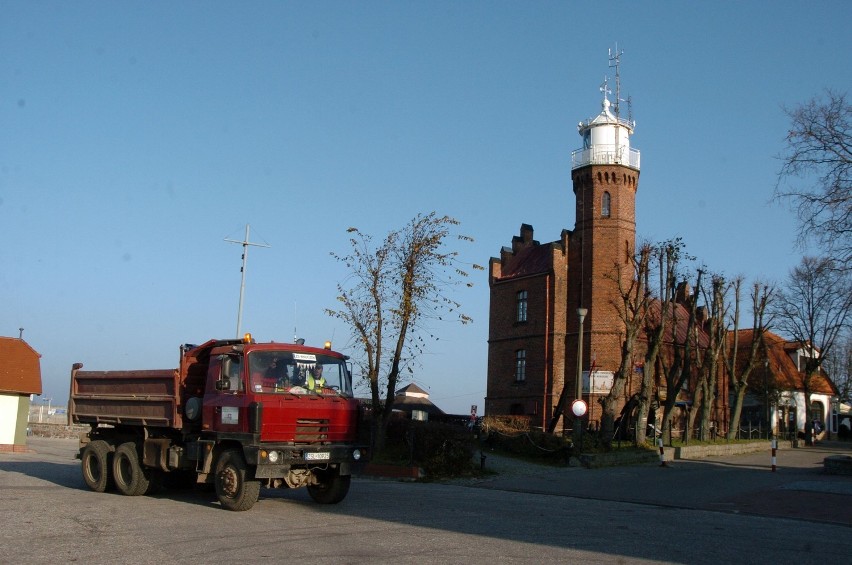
[537, 288]
[605, 175]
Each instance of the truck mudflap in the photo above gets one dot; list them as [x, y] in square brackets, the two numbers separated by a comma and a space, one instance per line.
[274, 461]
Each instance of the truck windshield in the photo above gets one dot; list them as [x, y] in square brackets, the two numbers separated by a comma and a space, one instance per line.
[286, 372]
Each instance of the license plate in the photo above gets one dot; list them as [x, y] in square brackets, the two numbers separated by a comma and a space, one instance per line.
[319, 456]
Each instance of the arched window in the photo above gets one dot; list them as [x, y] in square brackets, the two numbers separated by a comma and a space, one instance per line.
[605, 204]
[520, 365]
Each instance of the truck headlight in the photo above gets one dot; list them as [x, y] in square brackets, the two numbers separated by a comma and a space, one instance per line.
[356, 455]
[274, 456]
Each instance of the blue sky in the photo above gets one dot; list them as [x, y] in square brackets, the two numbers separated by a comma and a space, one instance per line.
[136, 136]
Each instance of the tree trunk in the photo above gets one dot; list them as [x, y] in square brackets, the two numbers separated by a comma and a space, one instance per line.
[736, 412]
[698, 403]
[646, 391]
[610, 402]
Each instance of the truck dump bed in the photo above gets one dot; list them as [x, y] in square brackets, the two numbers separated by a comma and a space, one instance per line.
[125, 397]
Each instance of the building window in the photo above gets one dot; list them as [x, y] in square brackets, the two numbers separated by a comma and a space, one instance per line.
[605, 201]
[522, 306]
[520, 365]
[817, 410]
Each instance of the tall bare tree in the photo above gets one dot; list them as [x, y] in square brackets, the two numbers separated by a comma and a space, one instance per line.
[392, 293]
[814, 308]
[667, 256]
[685, 348]
[716, 328]
[816, 174]
[739, 368]
[632, 307]
[838, 365]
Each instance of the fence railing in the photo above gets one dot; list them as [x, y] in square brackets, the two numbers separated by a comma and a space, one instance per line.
[605, 154]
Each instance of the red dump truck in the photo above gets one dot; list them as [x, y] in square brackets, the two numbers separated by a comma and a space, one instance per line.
[236, 414]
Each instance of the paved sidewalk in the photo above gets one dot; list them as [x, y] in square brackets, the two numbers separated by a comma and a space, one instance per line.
[799, 488]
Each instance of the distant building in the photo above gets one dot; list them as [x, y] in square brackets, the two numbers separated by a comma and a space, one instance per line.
[20, 377]
[415, 403]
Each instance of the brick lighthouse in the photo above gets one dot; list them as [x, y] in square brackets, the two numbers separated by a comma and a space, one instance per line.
[537, 289]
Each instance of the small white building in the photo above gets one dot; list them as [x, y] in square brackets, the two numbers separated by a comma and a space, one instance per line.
[778, 387]
[415, 402]
[20, 377]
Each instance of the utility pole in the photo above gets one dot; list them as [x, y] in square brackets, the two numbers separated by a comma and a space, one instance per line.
[245, 243]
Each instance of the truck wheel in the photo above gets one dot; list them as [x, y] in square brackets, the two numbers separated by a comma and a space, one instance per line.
[130, 478]
[332, 487]
[233, 489]
[96, 466]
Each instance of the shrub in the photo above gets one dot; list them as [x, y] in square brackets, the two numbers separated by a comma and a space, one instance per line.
[442, 450]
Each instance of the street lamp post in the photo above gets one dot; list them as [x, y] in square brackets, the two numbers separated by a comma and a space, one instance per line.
[578, 407]
[832, 416]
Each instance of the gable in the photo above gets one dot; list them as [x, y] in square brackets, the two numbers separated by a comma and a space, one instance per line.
[20, 370]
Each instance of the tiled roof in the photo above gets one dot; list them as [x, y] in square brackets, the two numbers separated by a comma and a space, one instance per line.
[681, 315]
[782, 367]
[533, 260]
[410, 403]
[411, 389]
[412, 397]
[20, 371]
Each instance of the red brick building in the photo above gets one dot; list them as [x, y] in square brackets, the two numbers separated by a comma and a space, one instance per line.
[539, 290]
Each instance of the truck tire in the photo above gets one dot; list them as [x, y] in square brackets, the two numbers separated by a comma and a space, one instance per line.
[96, 466]
[234, 490]
[332, 488]
[129, 476]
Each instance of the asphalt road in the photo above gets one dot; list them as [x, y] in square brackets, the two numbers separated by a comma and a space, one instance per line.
[518, 516]
[798, 488]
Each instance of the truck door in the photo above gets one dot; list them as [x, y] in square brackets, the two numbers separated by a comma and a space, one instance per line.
[225, 398]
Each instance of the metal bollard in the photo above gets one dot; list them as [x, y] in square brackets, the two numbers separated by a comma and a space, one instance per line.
[774, 448]
[662, 453]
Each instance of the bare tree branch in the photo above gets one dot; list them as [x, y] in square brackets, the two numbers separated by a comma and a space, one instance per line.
[815, 174]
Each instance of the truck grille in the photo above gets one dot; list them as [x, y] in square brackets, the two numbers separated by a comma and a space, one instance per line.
[311, 431]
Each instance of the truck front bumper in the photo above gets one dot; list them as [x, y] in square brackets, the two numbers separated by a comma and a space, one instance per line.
[274, 461]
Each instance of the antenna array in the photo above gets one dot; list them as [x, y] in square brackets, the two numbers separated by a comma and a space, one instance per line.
[245, 243]
[615, 61]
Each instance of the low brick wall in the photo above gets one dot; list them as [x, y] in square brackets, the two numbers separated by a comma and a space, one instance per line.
[721, 449]
[392, 471]
[57, 430]
[13, 448]
[638, 457]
